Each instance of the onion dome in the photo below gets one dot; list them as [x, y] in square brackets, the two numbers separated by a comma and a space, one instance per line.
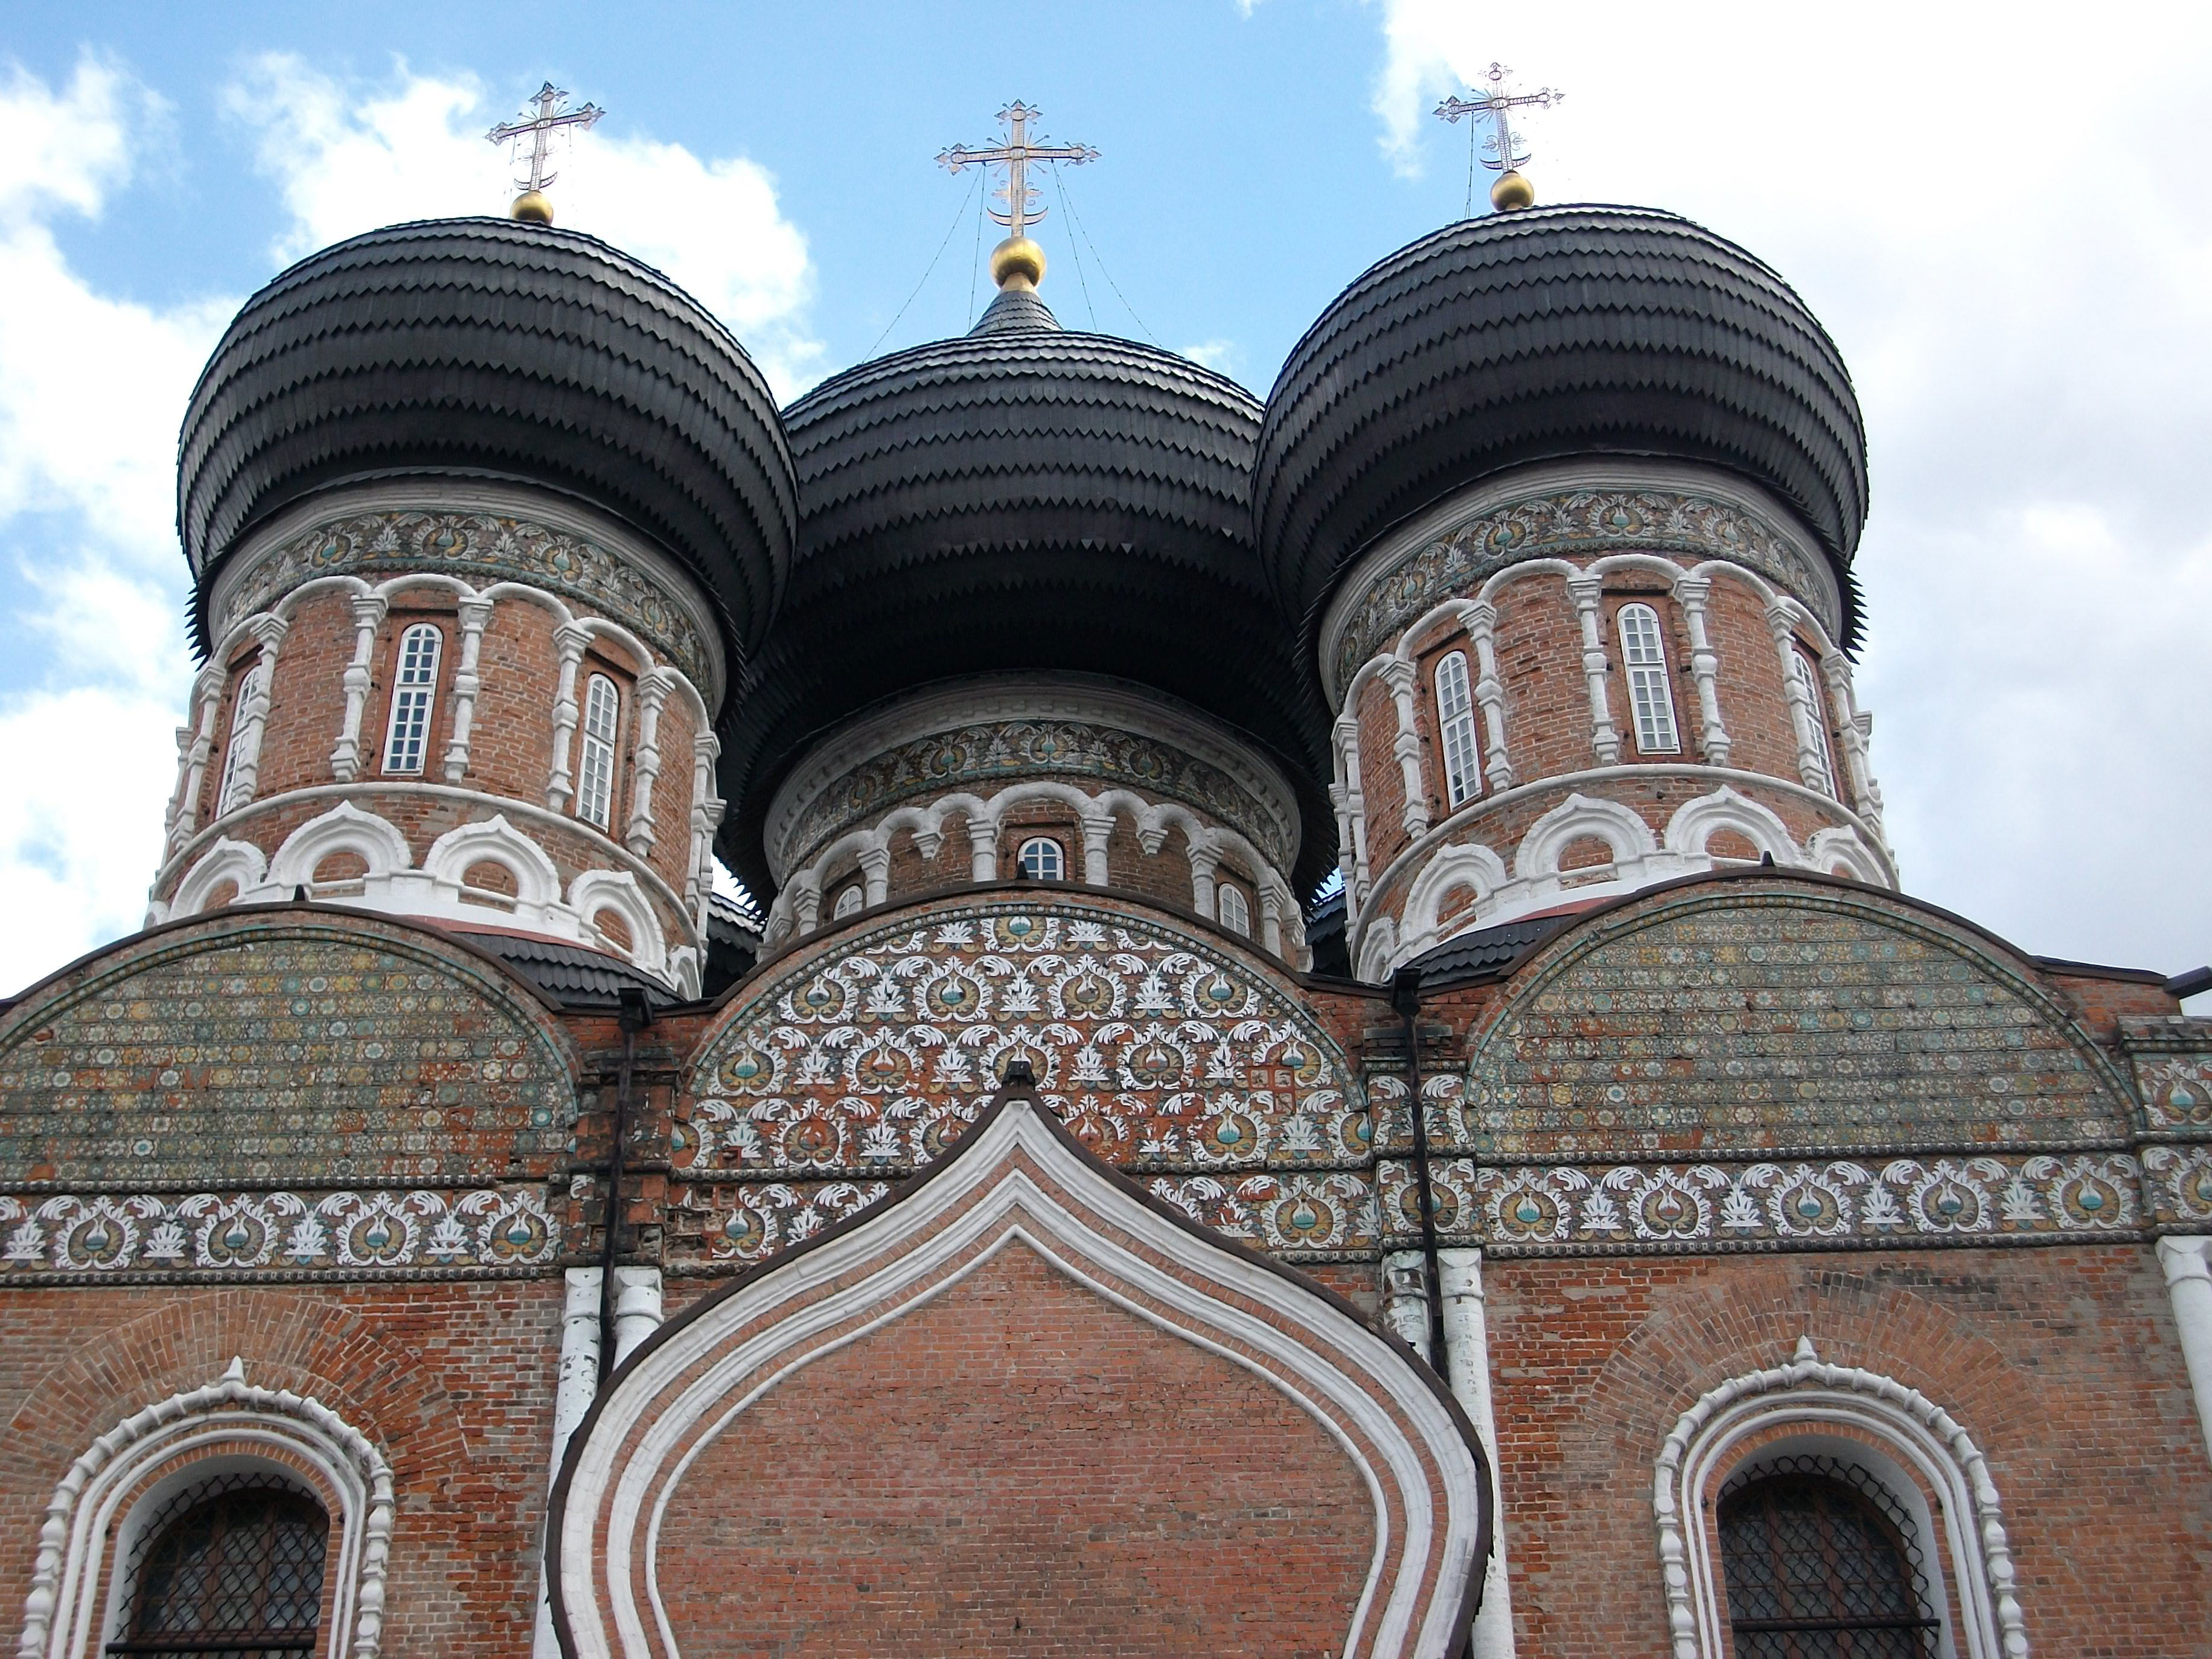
[486, 349]
[1021, 498]
[1541, 335]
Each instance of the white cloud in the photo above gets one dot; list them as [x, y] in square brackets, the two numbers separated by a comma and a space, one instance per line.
[348, 160]
[2013, 254]
[1220, 355]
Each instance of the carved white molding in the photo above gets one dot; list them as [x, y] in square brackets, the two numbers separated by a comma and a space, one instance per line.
[1809, 1392]
[60, 1617]
[2187, 1264]
[369, 614]
[474, 614]
[1587, 590]
[344, 829]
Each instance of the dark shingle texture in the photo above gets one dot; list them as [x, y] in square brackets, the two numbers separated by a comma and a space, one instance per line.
[1539, 335]
[487, 349]
[572, 975]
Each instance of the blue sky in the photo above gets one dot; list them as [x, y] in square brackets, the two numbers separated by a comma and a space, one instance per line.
[2028, 317]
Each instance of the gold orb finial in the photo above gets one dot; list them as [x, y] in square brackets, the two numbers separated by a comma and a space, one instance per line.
[1017, 262]
[531, 207]
[1512, 192]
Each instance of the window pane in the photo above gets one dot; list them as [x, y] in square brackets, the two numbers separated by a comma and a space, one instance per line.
[235, 1567]
[595, 777]
[414, 692]
[1455, 715]
[1041, 859]
[848, 901]
[1816, 715]
[1650, 694]
[1235, 912]
[1815, 1568]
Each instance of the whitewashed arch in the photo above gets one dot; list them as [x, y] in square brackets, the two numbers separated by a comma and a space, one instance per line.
[1830, 848]
[1984, 1605]
[1619, 827]
[226, 861]
[536, 881]
[617, 890]
[1469, 864]
[93, 1507]
[344, 829]
[1696, 822]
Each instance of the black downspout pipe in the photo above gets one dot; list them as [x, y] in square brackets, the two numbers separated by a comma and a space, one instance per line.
[1406, 998]
[636, 1015]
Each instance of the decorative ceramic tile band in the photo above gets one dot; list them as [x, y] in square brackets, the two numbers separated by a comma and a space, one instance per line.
[339, 1232]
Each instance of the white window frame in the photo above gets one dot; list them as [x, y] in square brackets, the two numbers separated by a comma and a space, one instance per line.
[242, 731]
[1650, 686]
[851, 900]
[1456, 727]
[1235, 910]
[414, 699]
[595, 770]
[1816, 713]
[1039, 844]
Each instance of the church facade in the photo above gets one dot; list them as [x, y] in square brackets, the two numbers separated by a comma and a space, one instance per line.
[1333, 1061]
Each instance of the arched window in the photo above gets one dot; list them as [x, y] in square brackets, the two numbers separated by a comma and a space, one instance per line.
[1043, 859]
[1236, 910]
[849, 899]
[1819, 1564]
[595, 778]
[230, 1566]
[228, 794]
[1455, 718]
[1816, 713]
[414, 694]
[1643, 656]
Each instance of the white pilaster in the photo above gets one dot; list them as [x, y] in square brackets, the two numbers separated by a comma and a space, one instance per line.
[637, 1307]
[1810, 772]
[569, 641]
[875, 874]
[2188, 1265]
[1406, 1299]
[368, 609]
[207, 692]
[574, 1382]
[1204, 862]
[1713, 740]
[645, 761]
[1097, 831]
[1466, 1347]
[1481, 622]
[1398, 675]
[1351, 817]
[706, 748]
[982, 849]
[1586, 592]
[245, 772]
[474, 615]
[1859, 762]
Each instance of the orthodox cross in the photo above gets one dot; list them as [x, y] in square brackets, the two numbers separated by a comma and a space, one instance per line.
[1504, 153]
[1015, 155]
[539, 128]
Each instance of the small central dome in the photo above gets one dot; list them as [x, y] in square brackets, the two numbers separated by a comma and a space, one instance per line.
[1545, 334]
[1022, 499]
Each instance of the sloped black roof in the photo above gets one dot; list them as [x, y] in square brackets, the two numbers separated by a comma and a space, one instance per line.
[1020, 498]
[490, 349]
[1542, 334]
[572, 975]
[1485, 951]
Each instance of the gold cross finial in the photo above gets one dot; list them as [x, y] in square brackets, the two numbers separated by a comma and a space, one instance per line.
[1017, 262]
[539, 128]
[1503, 151]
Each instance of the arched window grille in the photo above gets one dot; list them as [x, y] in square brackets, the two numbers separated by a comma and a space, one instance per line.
[414, 695]
[1643, 657]
[1820, 1564]
[1043, 859]
[1236, 910]
[1816, 713]
[595, 778]
[232, 1568]
[1455, 718]
[228, 794]
[849, 900]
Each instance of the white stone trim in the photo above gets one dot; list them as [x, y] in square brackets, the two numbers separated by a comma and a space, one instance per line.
[226, 861]
[1921, 1435]
[1696, 822]
[2187, 1264]
[60, 1620]
[344, 829]
[981, 1201]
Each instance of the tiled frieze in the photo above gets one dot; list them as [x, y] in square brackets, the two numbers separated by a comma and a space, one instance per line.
[1698, 1207]
[2179, 1180]
[2173, 1061]
[1759, 1019]
[347, 1233]
[279, 1049]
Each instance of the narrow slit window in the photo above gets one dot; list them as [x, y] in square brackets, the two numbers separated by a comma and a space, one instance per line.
[1456, 716]
[1816, 714]
[1041, 859]
[414, 695]
[228, 793]
[1643, 657]
[595, 778]
[1236, 910]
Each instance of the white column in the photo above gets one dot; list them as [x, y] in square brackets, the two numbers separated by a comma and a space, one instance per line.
[875, 874]
[474, 614]
[1466, 1347]
[1859, 763]
[207, 691]
[637, 1307]
[705, 749]
[982, 849]
[1097, 831]
[1204, 862]
[368, 611]
[1270, 919]
[246, 776]
[1406, 1299]
[574, 1382]
[2188, 1265]
[1810, 772]
[645, 761]
[1398, 675]
[806, 902]
[1481, 620]
[1586, 592]
[1352, 853]
[569, 641]
[1713, 740]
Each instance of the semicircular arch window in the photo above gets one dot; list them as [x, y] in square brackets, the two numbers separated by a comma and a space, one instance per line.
[1820, 1564]
[1043, 859]
[232, 1569]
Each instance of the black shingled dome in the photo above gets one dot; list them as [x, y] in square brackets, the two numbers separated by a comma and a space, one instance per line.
[1020, 498]
[488, 349]
[1541, 335]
